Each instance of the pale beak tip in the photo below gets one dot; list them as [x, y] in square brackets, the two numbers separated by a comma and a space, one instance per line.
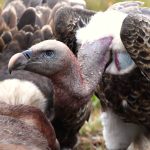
[16, 61]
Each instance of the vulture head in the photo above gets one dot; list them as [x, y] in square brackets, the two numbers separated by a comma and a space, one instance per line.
[109, 24]
[41, 58]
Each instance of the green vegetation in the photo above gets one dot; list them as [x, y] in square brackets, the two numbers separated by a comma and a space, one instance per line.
[1, 2]
[103, 4]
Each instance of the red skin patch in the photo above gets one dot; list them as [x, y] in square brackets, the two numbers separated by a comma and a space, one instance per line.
[117, 61]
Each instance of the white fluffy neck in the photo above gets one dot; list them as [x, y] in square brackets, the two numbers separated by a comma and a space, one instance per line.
[15, 92]
[103, 24]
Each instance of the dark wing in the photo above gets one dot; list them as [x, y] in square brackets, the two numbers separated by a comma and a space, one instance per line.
[66, 21]
[135, 35]
[28, 18]
[130, 99]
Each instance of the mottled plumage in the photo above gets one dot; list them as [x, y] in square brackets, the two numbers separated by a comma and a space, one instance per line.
[131, 96]
[66, 21]
[135, 35]
[130, 99]
[124, 92]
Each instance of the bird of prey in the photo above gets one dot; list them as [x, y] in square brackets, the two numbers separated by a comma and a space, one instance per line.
[124, 88]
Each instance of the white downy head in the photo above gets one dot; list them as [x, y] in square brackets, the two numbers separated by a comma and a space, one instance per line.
[103, 24]
[108, 24]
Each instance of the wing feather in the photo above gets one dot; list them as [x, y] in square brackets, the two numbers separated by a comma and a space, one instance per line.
[135, 35]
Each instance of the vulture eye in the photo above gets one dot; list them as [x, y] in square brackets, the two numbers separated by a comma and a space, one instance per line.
[49, 53]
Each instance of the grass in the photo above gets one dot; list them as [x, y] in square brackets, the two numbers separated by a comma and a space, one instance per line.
[91, 133]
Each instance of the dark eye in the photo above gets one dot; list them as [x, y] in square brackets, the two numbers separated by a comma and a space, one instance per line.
[49, 52]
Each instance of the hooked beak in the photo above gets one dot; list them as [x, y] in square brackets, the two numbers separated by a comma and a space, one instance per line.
[19, 61]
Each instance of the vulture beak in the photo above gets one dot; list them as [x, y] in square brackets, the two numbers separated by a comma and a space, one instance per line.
[19, 60]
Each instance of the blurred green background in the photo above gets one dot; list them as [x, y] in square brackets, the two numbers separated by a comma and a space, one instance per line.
[103, 4]
[1, 2]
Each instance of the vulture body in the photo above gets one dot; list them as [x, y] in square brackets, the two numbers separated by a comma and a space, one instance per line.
[74, 81]
[25, 127]
[124, 88]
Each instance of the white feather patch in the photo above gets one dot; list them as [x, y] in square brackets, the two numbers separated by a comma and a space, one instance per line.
[118, 134]
[14, 91]
[103, 24]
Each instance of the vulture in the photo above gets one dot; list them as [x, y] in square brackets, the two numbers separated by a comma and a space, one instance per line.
[124, 86]
[74, 80]
[24, 87]
[25, 128]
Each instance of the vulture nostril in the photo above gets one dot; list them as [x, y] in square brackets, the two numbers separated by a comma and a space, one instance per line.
[27, 54]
